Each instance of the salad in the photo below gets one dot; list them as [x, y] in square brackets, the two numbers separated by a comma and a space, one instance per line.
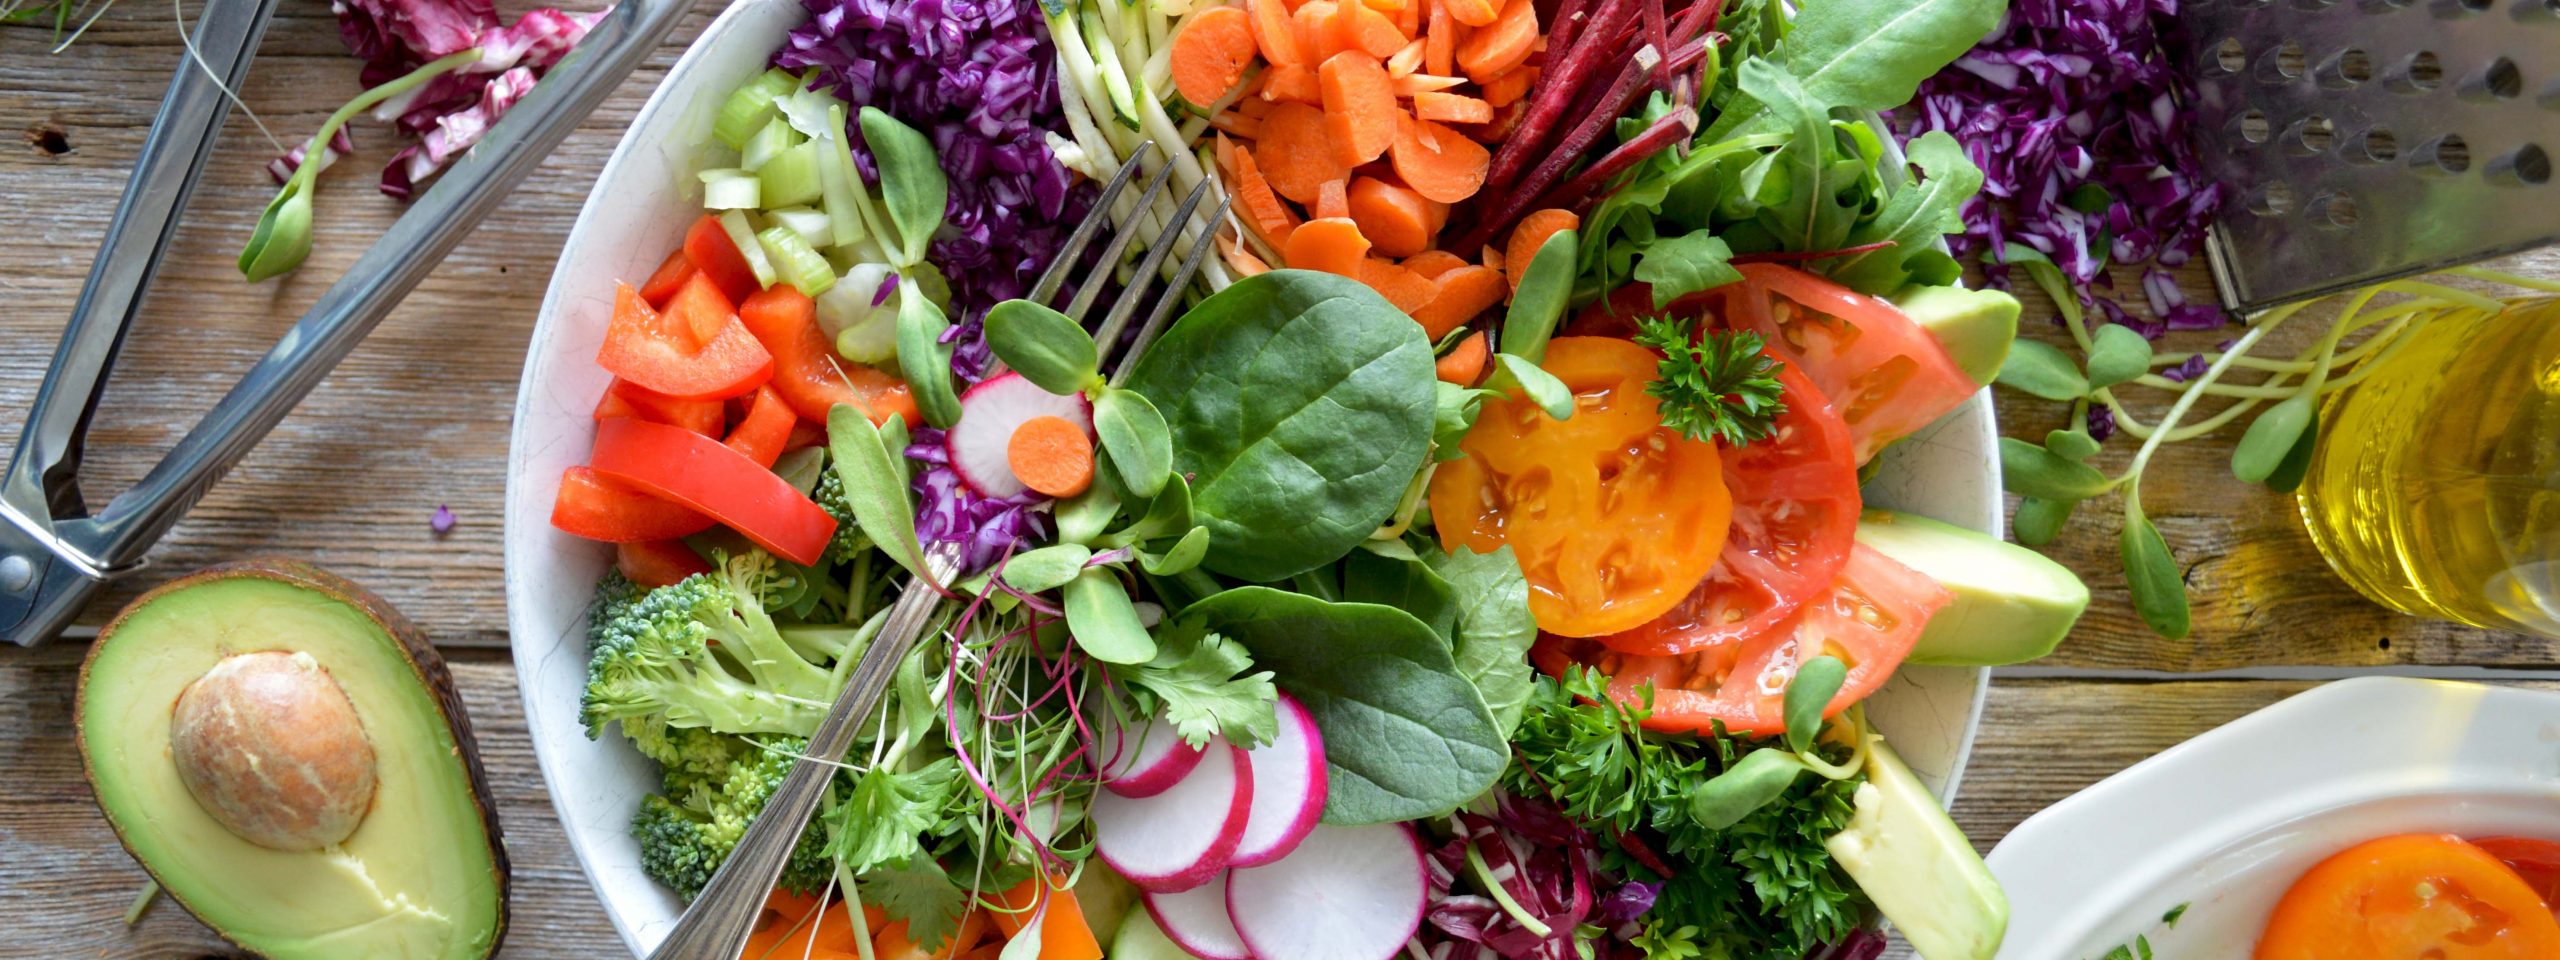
[1475, 567]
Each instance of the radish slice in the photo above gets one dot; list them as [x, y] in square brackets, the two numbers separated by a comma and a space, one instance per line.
[1288, 788]
[989, 413]
[1196, 919]
[1346, 893]
[1178, 839]
[1152, 762]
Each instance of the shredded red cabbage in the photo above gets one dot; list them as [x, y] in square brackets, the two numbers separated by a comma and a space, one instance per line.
[2072, 110]
[1543, 862]
[450, 112]
[984, 528]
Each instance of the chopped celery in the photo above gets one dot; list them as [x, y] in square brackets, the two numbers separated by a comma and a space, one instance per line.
[791, 177]
[730, 190]
[807, 111]
[742, 233]
[809, 224]
[796, 262]
[749, 107]
[776, 137]
[839, 184]
[864, 332]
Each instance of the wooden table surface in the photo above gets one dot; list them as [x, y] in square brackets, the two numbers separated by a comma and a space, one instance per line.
[418, 417]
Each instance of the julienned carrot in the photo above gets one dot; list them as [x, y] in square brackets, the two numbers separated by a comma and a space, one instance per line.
[1464, 292]
[1440, 40]
[1231, 248]
[1431, 264]
[1292, 83]
[1473, 13]
[1296, 150]
[1508, 88]
[1064, 932]
[1275, 34]
[1422, 83]
[1359, 106]
[1451, 108]
[1438, 163]
[1262, 209]
[1330, 244]
[1051, 455]
[1531, 234]
[1464, 362]
[893, 943]
[1237, 123]
[1491, 258]
[1400, 65]
[1396, 220]
[1333, 200]
[1502, 45]
[1211, 53]
[1401, 288]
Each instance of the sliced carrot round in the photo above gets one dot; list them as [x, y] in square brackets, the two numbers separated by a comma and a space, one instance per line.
[1359, 106]
[1296, 151]
[1397, 221]
[1329, 244]
[1211, 53]
[1464, 363]
[1438, 163]
[1051, 455]
[1531, 234]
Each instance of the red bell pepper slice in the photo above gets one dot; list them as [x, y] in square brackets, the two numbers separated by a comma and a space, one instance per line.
[705, 417]
[765, 431]
[657, 563]
[698, 310]
[669, 278]
[805, 433]
[614, 405]
[599, 507]
[713, 253]
[807, 371]
[643, 347]
[699, 472]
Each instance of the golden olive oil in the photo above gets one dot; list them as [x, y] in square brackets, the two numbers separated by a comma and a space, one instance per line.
[2435, 485]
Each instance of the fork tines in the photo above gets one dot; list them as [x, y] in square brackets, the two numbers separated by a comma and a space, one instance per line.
[1134, 288]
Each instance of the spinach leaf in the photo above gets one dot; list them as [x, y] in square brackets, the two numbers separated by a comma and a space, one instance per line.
[1405, 736]
[1913, 218]
[1494, 629]
[1301, 403]
[1368, 577]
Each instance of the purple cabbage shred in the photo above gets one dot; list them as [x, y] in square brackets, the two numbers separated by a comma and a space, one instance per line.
[983, 527]
[2072, 112]
[452, 111]
[442, 521]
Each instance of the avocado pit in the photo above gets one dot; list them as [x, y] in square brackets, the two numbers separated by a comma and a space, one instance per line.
[272, 749]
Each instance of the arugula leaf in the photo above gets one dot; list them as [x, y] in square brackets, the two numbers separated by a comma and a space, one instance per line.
[889, 812]
[1867, 54]
[1690, 263]
[919, 893]
[1913, 219]
[1724, 388]
[1201, 679]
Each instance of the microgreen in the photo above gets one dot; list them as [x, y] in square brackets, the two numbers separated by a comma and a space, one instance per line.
[1718, 387]
[282, 238]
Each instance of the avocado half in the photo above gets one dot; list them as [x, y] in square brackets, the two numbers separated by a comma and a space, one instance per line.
[404, 861]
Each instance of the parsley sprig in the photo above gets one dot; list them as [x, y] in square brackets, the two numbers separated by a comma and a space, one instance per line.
[1716, 387]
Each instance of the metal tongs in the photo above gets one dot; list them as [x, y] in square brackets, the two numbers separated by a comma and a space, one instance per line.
[55, 553]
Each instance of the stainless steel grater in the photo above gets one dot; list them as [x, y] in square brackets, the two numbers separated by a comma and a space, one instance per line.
[2372, 139]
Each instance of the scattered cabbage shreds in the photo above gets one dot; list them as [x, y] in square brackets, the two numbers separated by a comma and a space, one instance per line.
[2072, 112]
[452, 111]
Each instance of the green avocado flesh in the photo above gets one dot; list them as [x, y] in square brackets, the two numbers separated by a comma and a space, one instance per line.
[1976, 326]
[420, 876]
[2011, 604]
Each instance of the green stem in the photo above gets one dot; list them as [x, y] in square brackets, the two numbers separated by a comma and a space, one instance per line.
[1502, 897]
[309, 170]
[2187, 400]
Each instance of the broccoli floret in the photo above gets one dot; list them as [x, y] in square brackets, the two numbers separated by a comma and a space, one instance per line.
[614, 594]
[849, 540]
[716, 784]
[702, 652]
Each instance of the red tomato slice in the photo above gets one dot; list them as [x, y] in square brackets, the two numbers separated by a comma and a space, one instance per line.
[713, 253]
[645, 348]
[657, 563]
[1869, 621]
[807, 371]
[1884, 374]
[762, 435]
[1795, 511]
[699, 472]
[2416, 896]
[2537, 861]
[670, 277]
[599, 507]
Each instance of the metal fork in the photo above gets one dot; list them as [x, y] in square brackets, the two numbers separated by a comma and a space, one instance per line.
[715, 926]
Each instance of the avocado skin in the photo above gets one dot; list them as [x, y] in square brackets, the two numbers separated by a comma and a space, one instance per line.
[425, 663]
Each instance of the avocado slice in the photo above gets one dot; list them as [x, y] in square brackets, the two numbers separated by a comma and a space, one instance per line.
[2011, 604]
[1919, 869]
[384, 845]
[1976, 326]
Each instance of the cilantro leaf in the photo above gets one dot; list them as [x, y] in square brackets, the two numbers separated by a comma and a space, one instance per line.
[1201, 679]
[1722, 387]
[889, 812]
[920, 893]
[1686, 264]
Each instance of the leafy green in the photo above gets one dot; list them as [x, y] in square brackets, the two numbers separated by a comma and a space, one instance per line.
[1044, 346]
[1104, 621]
[1406, 736]
[1722, 387]
[1407, 585]
[920, 894]
[888, 813]
[1692, 262]
[2043, 370]
[1913, 219]
[925, 360]
[912, 184]
[1136, 440]
[1201, 680]
[874, 482]
[1868, 54]
[1046, 568]
[1301, 404]
[1512, 372]
[1494, 629]
[1546, 287]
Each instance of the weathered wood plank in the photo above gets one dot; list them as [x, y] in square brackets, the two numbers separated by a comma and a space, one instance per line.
[56, 850]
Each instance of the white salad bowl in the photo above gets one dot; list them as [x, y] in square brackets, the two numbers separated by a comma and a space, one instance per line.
[641, 204]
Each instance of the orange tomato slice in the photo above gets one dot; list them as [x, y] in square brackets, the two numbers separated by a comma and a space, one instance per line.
[2411, 897]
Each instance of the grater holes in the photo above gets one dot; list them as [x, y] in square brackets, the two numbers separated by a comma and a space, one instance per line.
[2526, 166]
[2419, 72]
[2333, 209]
[2459, 8]
[2345, 68]
[2272, 200]
[2314, 4]
[2377, 145]
[2500, 80]
[2229, 57]
[2310, 136]
[2252, 126]
[2443, 156]
[2550, 98]
[2384, 6]
[2541, 11]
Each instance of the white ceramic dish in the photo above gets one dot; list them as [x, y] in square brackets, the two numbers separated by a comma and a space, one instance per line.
[641, 203]
[2223, 823]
